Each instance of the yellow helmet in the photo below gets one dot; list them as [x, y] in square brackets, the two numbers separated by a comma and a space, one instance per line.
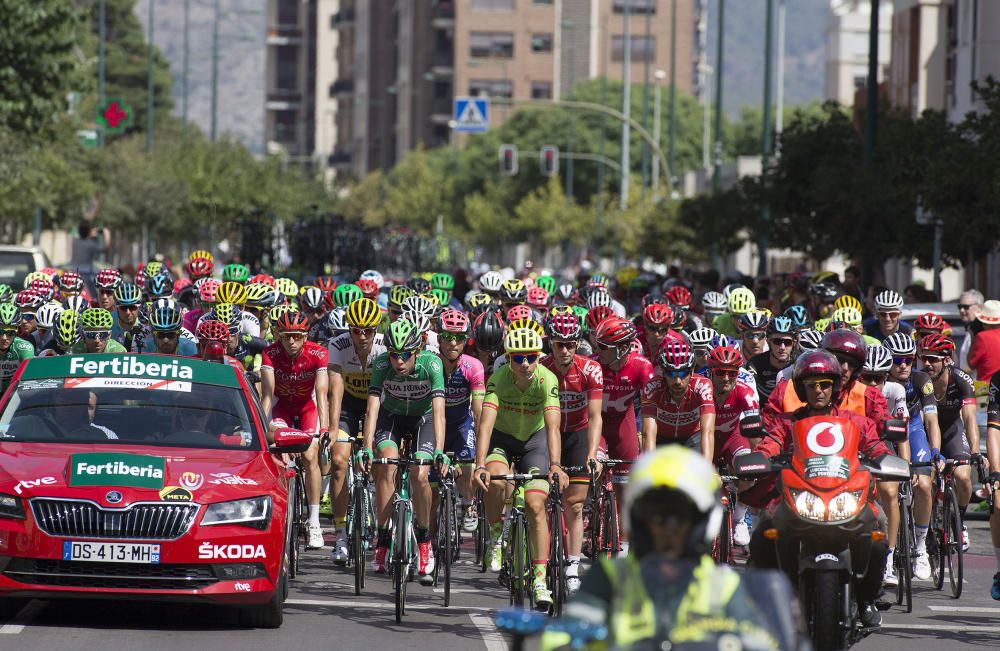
[231, 292]
[200, 254]
[847, 301]
[522, 340]
[363, 313]
[531, 324]
[849, 315]
[741, 301]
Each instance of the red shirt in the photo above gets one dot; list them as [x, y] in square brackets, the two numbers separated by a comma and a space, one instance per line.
[582, 383]
[741, 400]
[294, 379]
[984, 356]
[677, 420]
[779, 433]
[621, 388]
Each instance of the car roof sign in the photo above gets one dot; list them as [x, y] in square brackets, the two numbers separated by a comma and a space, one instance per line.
[157, 367]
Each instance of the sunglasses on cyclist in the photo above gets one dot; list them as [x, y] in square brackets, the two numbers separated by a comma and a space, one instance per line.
[403, 356]
[726, 373]
[166, 335]
[565, 345]
[8, 332]
[754, 336]
[28, 316]
[366, 332]
[293, 336]
[129, 308]
[902, 360]
[530, 358]
[660, 330]
[602, 346]
[97, 335]
[931, 359]
[452, 336]
[871, 378]
[677, 375]
[788, 343]
[818, 385]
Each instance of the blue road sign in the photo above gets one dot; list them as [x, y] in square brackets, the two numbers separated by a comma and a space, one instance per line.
[472, 114]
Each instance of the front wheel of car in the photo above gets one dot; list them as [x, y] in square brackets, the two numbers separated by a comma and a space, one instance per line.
[10, 607]
[271, 614]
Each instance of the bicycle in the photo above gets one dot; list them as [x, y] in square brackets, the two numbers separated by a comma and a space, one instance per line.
[905, 557]
[516, 561]
[723, 548]
[360, 523]
[298, 520]
[982, 471]
[600, 511]
[944, 537]
[558, 553]
[447, 537]
[482, 534]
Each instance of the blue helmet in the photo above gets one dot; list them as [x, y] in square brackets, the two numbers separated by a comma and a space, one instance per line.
[721, 340]
[781, 325]
[159, 286]
[799, 316]
[128, 294]
[165, 318]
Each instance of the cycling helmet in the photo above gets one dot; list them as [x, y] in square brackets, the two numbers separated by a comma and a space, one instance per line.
[565, 327]
[97, 319]
[48, 314]
[522, 340]
[277, 311]
[76, 303]
[418, 304]
[598, 315]
[753, 320]
[70, 282]
[562, 309]
[848, 315]
[615, 332]
[652, 299]
[6, 293]
[714, 302]
[478, 299]
[368, 287]
[154, 268]
[363, 313]
[848, 343]
[181, 284]
[292, 322]
[847, 301]
[824, 291]
[519, 312]
[598, 299]
[264, 278]
[207, 291]
[108, 279]
[200, 267]
[548, 283]
[443, 281]
[816, 363]
[490, 282]
[658, 314]
[741, 300]
[374, 276]
[679, 320]
[454, 321]
[679, 296]
[702, 337]
[398, 295]
[311, 298]
[336, 320]
[888, 301]
[901, 344]
[488, 331]
[344, 295]
[212, 330]
[231, 292]
[878, 359]
[200, 253]
[43, 287]
[513, 291]
[538, 297]
[159, 285]
[565, 291]
[10, 316]
[527, 323]
[28, 300]
[929, 321]
[261, 295]
[67, 330]
[781, 325]
[325, 284]
[675, 355]
[228, 314]
[484, 307]
[799, 316]
[720, 341]
[937, 345]
[287, 288]
[403, 335]
[725, 357]
[236, 273]
[440, 296]
[128, 294]
[810, 339]
[165, 319]
[419, 284]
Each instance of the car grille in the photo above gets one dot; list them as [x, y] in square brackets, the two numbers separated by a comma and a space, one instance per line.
[78, 574]
[141, 521]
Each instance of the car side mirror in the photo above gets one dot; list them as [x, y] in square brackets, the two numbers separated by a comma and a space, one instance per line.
[895, 430]
[290, 441]
[749, 466]
[889, 467]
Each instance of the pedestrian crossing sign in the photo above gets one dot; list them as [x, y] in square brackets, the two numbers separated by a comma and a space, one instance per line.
[472, 114]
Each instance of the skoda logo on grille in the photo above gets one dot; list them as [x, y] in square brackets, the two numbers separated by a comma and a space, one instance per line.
[113, 497]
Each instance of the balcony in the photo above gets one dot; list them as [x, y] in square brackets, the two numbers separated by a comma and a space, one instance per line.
[443, 64]
[283, 99]
[342, 19]
[443, 14]
[341, 87]
[339, 158]
[284, 34]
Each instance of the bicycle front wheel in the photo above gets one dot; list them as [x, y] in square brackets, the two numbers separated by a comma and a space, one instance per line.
[612, 536]
[358, 534]
[953, 533]
[903, 557]
[518, 567]
[557, 559]
[401, 554]
[936, 551]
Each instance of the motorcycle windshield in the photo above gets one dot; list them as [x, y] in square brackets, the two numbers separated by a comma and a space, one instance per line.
[825, 453]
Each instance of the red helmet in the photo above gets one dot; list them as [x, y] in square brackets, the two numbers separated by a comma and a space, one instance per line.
[564, 327]
[181, 283]
[848, 343]
[813, 363]
[325, 284]
[725, 357]
[538, 297]
[213, 330]
[451, 321]
[200, 267]
[71, 281]
[43, 287]
[519, 312]
[615, 332]
[598, 314]
[207, 290]
[108, 278]
[368, 287]
[675, 355]
[930, 321]
[658, 314]
[679, 296]
[292, 322]
[28, 300]
[262, 278]
[937, 345]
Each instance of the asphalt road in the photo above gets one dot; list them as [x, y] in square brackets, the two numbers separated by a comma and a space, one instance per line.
[322, 612]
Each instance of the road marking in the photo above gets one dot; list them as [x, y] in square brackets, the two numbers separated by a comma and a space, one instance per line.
[344, 603]
[454, 590]
[942, 628]
[492, 638]
[23, 617]
[966, 609]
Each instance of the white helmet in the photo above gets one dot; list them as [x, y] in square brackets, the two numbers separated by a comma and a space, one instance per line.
[878, 359]
[491, 281]
[715, 302]
[371, 274]
[888, 301]
[48, 314]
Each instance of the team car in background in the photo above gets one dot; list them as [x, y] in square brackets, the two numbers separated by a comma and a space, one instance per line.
[142, 477]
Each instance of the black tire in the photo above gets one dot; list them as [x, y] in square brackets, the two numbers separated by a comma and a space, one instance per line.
[444, 560]
[271, 614]
[724, 541]
[953, 525]
[612, 534]
[482, 532]
[557, 561]
[517, 566]
[292, 528]
[827, 633]
[903, 559]
[400, 560]
[594, 529]
[527, 576]
[300, 516]
[936, 544]
[358, 539]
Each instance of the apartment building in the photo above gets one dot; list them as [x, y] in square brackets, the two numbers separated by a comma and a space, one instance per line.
[847, 45]
[290, 106]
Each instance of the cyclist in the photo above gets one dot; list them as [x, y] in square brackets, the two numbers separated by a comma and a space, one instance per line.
[13, 349]
[97, 324]
[679, 298]
[291, 370]
[713, 304]
[107, 282]
[213, 337]
[487, 339]
[655, 327]
[678, 406]
[781, 341]
[27, 302]
[67, 335]
[206, 299]
[405, 398]
[955, 393]
[128, 329]
[165, 322]
[740, 301]
[752, 328]
[671, 511]
[993, 452]
[887, 308]
[520, 422]
[924, 432]
[45, 321]
[581, 390]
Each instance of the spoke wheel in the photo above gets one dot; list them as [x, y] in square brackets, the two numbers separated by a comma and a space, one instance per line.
[953, 533]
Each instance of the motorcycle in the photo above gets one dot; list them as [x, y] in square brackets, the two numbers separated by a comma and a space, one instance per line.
[825, 518]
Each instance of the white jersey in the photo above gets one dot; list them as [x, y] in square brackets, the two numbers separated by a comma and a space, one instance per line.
[342, 354]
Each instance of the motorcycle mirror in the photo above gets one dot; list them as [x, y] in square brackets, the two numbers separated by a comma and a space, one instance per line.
[752, 465]
[895, 430]
[889, 467]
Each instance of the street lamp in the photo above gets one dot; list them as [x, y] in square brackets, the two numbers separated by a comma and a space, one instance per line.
[660, 76]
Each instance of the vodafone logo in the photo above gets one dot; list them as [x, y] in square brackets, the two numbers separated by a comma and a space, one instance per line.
[825, 438]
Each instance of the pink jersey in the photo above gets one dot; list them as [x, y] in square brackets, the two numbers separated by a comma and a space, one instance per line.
[467, 381]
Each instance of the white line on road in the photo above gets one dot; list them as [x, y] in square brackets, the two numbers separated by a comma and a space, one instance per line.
[943, 628]
[491, 636]
[454, 590]
[24, 616]
[344, 603]
[966, 609]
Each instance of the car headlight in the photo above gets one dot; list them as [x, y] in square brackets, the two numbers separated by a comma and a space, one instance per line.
[843, 506]
[809, 505]
[11, 506]
[253, 512]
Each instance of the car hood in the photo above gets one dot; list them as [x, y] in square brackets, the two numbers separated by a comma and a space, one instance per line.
[136, 472]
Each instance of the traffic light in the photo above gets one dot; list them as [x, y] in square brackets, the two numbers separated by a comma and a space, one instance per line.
[549, 160]
[508, 160]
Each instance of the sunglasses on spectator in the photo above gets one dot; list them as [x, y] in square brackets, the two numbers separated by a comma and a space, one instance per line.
[97, 335]
[782, 342]
[818, 385]
[902, 360]
[565, 345]
[367, 332]
[726, 373]
[403, 356]
[293, 336]
[678, 374]
[966, 306]
[452, 336]
[872, 378]
[529, 358]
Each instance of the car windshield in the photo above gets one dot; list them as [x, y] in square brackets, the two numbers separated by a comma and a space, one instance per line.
[14, 266]
[173, 414]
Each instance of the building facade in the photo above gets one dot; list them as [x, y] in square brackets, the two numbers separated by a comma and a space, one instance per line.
[847, 47]
[290, 71]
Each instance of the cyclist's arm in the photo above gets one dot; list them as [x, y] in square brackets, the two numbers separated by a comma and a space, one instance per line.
[993, 424]
[484, 430]
[933, 429]
[554, 435]
[971, 426]
[322, 406]
[708, 435]
[266, 390]
[649, 429]
[371, 415]
[595, 427]
[477, 407]
[336, 394]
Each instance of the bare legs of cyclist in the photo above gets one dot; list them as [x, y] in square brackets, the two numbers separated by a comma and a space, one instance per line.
[314, 491]
[921, 522]
[888, 494]
[340, 456]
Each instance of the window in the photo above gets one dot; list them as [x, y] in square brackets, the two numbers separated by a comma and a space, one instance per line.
[489, 45]
[541, 90]
[541, 2]
[635, 6]
[541, 42]
[859, 45]
[493, 5]
[643, 48]
[491, 87]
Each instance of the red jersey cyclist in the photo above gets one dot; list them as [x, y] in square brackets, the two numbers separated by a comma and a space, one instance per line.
[677, 406]
[291, 370]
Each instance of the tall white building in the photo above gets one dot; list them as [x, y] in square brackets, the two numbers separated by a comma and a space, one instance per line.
[847, 45]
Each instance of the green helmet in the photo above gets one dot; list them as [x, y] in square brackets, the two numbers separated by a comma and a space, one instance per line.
[68, 329]
[6, 293]
[96, 318]
[344, 295]
[10, 316]
[398, 295]
[548, 283]
[402, 335]
[443, 281]
[581, 314]
[237, 273]
[442, 296]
